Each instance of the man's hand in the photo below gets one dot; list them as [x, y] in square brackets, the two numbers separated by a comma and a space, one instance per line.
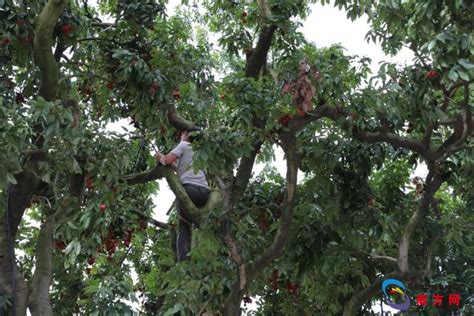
[158, 156]
[165, 159]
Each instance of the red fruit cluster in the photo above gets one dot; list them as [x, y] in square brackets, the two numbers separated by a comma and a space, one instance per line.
[263, 222]
[300, 112]
[91, 260]
[128, 238]
[432, 74]
[142, 224]
[370, 201]
[153, 88]
[292, 288]
[28, 39]
[110, 85]
[285, 119]
[59, 245]
[89, 183]
[274, 280]
[67, 29]
[5, 41]
[111, 245]
[176, 94]
[222, 97]
[86, 90]
[102, 207]
[247, 300]
[19, 98]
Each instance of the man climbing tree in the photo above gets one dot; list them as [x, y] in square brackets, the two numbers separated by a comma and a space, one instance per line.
[194, 183]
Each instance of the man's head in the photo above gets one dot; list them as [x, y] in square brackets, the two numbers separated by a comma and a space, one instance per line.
[191, 134]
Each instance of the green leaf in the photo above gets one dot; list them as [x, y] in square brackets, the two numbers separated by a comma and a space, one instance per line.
[75, 167]
[11, 178]
[463, 75]
[453, 75]
[466, 64]
[178, 307]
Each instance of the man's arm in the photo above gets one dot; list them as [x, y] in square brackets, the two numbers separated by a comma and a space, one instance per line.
[167, 159]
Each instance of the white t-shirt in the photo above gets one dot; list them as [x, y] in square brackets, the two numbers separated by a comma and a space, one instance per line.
[186, 175]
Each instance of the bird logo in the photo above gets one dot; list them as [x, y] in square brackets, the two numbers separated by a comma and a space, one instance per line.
[394, 291]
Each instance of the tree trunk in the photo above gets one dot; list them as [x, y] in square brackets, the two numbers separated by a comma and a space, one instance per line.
[19, 196]
[6, 288]
[38, 301]
[232, 307]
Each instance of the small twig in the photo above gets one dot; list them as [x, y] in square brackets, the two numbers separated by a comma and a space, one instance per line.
[171, 207]
[98, 39]
[204, 307]
[152, 220]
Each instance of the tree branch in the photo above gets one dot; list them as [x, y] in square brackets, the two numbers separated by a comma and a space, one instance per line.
[395, 140]
[38, 302]
[258, 57]
[152, 220]
[191, 212]
[255, 61]
[292, 163]
[244, 171]
[433, 183]
[144, 177]
[176, 120]
[43, 43]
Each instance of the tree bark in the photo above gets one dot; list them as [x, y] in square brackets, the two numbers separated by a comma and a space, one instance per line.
[43, 43]
[6, 288]
[39, 303]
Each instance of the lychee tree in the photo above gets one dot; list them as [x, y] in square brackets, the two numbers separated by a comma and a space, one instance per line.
[78, 235]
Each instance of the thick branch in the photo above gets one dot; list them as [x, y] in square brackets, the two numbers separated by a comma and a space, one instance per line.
[257, 59]
[244, 171]
[434, 181]
[383, 258]
[176, 120]
[43, 42]
[292, 163]
[38, 302]
[191, 212]
[395, 140]
[144, 177]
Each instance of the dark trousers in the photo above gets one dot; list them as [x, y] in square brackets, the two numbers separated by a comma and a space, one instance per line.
[199, 196]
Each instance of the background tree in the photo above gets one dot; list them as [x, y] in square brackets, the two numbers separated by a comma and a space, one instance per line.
[77, 197]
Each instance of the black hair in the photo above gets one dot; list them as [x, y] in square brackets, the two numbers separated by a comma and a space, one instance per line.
[196, 133]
